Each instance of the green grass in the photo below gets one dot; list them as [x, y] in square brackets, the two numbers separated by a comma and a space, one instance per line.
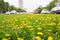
[29, 26]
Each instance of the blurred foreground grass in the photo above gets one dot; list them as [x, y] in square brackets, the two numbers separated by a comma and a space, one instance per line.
[30, 27]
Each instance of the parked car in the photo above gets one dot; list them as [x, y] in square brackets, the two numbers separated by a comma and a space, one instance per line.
[7, 12]
[45, 11]
[11, 12]
[53, 12]
[56, 10]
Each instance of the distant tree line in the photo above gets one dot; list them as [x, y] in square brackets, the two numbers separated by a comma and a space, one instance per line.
[4, 7]
[49, 6]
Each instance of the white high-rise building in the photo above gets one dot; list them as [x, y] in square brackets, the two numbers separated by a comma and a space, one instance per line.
[20, 3]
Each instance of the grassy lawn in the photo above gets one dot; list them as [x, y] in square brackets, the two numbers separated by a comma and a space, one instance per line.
[30, 27]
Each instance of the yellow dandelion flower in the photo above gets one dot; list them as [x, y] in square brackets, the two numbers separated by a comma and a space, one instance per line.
[58, 27]
[20, 39]
[40, 33]
[16, 20]
[50, 38]
[32, 29]
[49, 30]
[38, 38]
[7, 34]
[39, 28]
[1, 26]
[4, 39]
[16, 25]
[29, 26]
[3, 21]
[36, 20]
[59, 23]
[52, 24]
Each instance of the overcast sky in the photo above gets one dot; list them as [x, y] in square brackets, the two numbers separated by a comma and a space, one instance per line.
[30, 5]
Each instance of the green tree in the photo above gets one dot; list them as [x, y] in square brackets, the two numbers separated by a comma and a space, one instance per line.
[6, 6]
[1, 5]
[17, 9]
[39, 9]
[20, 10]
[51, 5]
[11, 8]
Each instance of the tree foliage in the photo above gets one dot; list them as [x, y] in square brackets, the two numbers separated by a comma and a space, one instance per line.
[1, 5]
[4, 7]
[51, 5]
[39, 9]
[11, 8]
[20, 10]
[17, 9]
